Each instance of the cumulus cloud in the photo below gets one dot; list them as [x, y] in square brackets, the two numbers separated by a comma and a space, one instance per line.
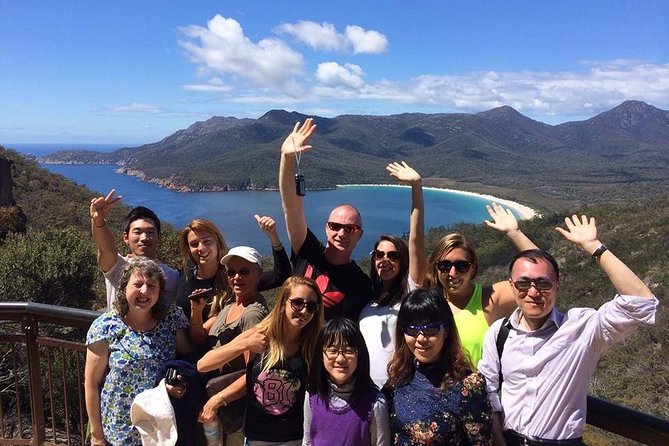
[222, 48]
[324, 36]
[332, 74]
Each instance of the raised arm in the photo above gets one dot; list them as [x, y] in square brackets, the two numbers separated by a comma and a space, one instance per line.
[293, 207]
[583, 233]
[504, 221]
[417, 256]
[250, 340]
[104, 239]
[282, 268]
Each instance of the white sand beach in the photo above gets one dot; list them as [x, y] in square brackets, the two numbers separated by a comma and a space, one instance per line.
[524, 211]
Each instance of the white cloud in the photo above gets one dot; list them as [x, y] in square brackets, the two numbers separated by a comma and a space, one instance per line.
[324, 36]
[215, 84]
[332, 74]
[369, 42]
[135, 107]
[222, 48]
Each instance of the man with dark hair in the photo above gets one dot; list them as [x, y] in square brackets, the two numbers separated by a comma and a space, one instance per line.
[141, 233]
[345, 287]
[547, 357]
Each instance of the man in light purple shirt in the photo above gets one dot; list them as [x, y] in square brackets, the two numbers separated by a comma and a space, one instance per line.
[549, 357]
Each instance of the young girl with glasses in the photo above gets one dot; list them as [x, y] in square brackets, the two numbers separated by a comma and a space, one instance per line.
[343, 406]
[436, 398]
[452, 267]
[395, 271]
[274, 383]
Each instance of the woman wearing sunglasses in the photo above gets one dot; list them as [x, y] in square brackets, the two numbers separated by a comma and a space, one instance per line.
[436, 398]
[452, 268]
[395, 271]
[275, 379]
[205, 288]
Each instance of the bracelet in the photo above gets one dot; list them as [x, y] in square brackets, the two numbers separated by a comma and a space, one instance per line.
[224, 401]
[279, 246]
[599, 251]
[104, 223]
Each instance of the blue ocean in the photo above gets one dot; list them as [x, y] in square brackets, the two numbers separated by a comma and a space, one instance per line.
[385, 209]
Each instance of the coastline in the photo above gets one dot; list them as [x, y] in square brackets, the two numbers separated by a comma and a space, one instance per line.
[525, 212]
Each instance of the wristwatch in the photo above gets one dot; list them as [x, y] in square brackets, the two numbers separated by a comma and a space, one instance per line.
[599, 251]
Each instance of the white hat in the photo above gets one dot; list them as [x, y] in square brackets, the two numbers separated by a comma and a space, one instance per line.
[245, 252]
[153, 416]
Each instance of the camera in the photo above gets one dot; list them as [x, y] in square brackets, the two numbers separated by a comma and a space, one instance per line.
[300, 187]
[173, 379]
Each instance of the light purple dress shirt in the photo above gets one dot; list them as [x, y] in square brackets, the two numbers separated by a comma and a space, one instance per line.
[547, 371]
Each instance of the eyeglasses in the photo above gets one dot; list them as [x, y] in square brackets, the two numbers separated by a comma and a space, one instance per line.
[539, 284]
[461, 266]
[298, 304]
[379, 255]
[241, 272]
[349, 228]
[428, 330]
[333, 352]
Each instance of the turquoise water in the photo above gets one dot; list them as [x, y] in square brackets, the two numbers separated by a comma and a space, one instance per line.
[385, 209]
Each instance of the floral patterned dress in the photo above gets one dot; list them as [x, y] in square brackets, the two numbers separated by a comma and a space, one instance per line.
[422, 414]
[134, 361]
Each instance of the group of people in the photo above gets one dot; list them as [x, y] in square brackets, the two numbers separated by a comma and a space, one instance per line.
[414, 353]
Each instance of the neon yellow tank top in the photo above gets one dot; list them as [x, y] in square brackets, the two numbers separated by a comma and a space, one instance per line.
[472, 325]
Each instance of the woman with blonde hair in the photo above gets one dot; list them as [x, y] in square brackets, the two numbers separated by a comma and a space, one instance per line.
[275, 379]
[452, 267]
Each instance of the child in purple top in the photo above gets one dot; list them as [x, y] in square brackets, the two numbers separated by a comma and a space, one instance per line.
[343, 406]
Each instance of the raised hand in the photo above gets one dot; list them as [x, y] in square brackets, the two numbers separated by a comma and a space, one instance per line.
[101, 206]
[581, 231]
[403, 172]
[294, 144]
[503, 219]
[266, 224]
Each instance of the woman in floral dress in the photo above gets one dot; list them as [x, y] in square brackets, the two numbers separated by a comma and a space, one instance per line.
[436, 398]
[133, 340]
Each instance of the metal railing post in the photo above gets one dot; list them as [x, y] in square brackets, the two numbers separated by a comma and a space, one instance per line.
[30, 329]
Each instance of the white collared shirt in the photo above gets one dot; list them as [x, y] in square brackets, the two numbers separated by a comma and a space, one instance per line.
[547, 371]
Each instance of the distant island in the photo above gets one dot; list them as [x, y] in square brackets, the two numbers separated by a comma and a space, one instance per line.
[498, 152]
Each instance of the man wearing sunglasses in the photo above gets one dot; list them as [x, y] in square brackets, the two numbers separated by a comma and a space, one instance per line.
[345, 287]
[549, 357]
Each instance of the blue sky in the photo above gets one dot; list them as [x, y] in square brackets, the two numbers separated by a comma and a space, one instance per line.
[131, 72]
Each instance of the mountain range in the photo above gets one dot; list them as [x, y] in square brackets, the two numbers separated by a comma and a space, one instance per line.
[621, 153]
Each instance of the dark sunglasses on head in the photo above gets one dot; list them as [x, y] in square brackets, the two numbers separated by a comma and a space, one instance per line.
[461, 266]
[241, 272]
[298, 304]
[428, 330]
[539, 284]
[379, 255]
[349, 228]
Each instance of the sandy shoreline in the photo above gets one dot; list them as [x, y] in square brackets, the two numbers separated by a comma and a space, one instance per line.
[524, 211]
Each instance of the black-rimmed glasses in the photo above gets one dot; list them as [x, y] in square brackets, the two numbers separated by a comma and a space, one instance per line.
[347, 352]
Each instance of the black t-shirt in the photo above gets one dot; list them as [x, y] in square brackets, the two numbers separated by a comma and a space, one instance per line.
[346, 288]
[275, 400]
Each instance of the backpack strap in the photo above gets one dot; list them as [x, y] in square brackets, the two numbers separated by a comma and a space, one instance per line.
[501, 339]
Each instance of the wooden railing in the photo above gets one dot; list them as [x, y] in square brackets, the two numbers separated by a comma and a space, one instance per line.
[41, 382]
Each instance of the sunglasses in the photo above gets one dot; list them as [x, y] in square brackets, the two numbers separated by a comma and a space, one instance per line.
[379, 255]
[539, 284]
[298, 304]
[461, 266]
[349, 228]
[428, 330]
[241, 272]
[333, 352]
